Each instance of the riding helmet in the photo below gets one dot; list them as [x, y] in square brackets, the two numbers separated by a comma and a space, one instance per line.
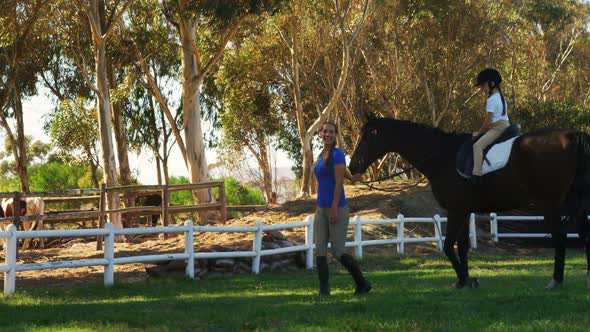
[489, 75]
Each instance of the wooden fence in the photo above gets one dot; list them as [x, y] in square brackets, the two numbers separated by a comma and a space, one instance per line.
[98, 196]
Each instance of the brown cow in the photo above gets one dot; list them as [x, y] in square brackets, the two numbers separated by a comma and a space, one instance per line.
[30, 206]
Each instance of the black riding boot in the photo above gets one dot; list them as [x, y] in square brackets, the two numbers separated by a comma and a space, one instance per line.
[362, 285]
[323, 273]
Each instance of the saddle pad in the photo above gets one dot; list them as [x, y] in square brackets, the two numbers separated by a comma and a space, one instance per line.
[498, 156]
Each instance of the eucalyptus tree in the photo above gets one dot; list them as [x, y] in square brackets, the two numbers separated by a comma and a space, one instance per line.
[292, 31]
[74, 132]
[247, 100]
[21, 58]
[557, 31]
[102, 18]
[204, 29]
[154, 115]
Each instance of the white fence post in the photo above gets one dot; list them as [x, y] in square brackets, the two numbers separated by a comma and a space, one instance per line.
[472, 231]
[494, 226]
[358, 237]
[10, 257]
[309, 243]
[189, 249]
[109, 254]
[257, 247]
[438, 232]
[400, 234]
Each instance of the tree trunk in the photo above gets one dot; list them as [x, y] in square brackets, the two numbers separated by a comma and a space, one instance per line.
[93, 169]
[122, 150]
[104, 121]
[21, 158]
[191, 110]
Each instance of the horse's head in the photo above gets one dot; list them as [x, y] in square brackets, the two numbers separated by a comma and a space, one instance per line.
[370, 147]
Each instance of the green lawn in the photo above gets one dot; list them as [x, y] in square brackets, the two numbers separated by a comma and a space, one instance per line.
[411, 293]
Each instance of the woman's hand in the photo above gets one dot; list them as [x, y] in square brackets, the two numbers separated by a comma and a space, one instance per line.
[356, 177]
[333, 215]
[475, 133]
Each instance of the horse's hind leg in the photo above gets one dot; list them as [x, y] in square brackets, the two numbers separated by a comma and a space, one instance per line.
[463, 246]
[584, 233]
[559, 235]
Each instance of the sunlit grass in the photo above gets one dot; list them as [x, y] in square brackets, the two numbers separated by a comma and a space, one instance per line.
[410, 293]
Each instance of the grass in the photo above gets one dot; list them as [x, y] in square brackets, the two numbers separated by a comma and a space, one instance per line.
[411, 293]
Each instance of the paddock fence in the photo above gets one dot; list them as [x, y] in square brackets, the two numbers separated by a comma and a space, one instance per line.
[11, 236]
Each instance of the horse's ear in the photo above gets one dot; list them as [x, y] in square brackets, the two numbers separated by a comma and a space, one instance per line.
[371, 115]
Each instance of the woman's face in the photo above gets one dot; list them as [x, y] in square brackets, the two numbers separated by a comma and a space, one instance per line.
[485, 87]
[328, 134]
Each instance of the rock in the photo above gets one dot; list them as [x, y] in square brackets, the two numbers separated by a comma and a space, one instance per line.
[156, 271]
[225, 263]
[270, 245]
[242, 267]
[200, 272]
[284, 243]
[271, 236]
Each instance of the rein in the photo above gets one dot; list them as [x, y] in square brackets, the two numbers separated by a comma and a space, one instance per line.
[404, 171]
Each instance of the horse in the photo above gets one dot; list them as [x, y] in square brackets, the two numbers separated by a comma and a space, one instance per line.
[548, 169]
[151, 200]
[30, 206]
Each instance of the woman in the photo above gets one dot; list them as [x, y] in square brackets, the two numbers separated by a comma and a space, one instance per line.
[332, 214]
[496, 120]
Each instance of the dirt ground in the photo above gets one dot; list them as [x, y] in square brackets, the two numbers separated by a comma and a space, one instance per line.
[415, 201]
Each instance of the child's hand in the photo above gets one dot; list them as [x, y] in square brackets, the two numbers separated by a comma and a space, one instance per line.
[475, 133]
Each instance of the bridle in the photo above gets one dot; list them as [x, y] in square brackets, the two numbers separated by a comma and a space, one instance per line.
[404, 171]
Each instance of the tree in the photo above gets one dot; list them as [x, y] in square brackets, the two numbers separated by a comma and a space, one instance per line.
[247, 115]
[20, 61]
[74, 131]
[293, 44]
[101, 29]
[198, 24]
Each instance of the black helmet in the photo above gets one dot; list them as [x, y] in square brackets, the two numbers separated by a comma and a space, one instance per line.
[489, 75]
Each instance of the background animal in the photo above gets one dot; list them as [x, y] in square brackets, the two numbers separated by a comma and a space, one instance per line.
[30, 206]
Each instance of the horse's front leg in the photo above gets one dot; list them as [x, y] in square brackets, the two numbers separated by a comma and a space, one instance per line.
[559, 235]
[455, 233]
[463, 246]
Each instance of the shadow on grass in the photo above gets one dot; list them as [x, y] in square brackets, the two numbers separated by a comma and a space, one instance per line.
[401, 299]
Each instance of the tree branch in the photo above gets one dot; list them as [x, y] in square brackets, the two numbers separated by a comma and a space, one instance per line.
[221, 48]
[116, 20]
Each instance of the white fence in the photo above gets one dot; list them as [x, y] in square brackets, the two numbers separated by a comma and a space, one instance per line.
[11, 235]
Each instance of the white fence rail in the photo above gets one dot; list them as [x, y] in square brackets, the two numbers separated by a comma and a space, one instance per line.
[11, 236]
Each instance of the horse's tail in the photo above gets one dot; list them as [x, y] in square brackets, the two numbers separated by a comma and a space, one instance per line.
[581, 184]
[582, 178]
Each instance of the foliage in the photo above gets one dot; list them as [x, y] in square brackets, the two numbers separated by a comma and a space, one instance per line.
[181, 197]
[239, 194]
[74, 128]
[412, 293]
[533, 114]
[52, 176]
[37, 152]
[236, 193]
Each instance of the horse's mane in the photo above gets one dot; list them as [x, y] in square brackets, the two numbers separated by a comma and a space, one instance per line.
[425, 131]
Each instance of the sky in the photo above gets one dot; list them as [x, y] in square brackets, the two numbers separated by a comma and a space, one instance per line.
[35, 108]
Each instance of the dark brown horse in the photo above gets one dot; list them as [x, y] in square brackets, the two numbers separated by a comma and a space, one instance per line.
[547, 170]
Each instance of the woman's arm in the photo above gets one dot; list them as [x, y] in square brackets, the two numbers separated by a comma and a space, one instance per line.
[486, 124]
[339, 171]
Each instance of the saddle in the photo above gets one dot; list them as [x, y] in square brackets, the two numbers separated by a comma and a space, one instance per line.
[464, 162]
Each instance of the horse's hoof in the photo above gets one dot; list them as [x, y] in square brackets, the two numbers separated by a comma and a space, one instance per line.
[552, 284]
[473, 282]
[469, 282]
